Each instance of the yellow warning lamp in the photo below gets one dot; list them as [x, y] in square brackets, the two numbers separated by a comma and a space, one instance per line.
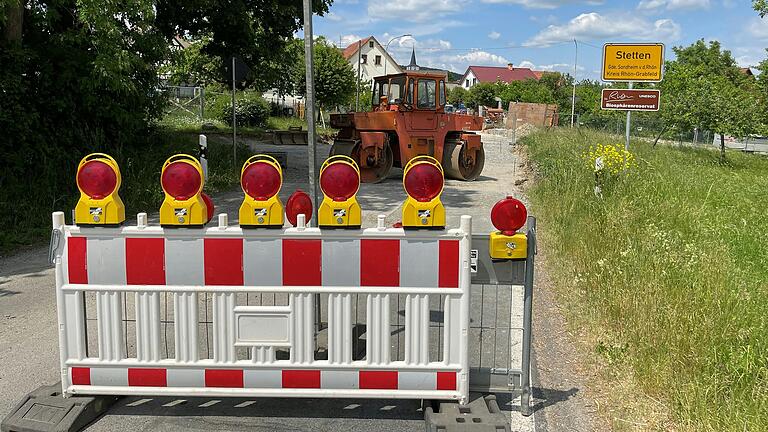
[261, 179]
[182, 182]
[423, 180]
[508, 216]
[339, 181]
[98, 178]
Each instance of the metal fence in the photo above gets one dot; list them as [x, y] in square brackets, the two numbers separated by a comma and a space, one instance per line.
[185, 100]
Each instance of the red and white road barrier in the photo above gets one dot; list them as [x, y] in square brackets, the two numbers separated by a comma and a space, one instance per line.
[148, 261]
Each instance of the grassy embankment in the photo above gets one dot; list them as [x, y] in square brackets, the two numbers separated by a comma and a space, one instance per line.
[667, 272]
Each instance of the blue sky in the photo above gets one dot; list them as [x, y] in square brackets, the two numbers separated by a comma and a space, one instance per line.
[453, 34]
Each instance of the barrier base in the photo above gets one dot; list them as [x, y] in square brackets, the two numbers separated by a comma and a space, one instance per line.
[481, 415]
[45, 410]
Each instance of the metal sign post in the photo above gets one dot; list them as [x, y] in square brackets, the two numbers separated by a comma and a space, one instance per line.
[629, 122]
[633, 62]
[309, 110]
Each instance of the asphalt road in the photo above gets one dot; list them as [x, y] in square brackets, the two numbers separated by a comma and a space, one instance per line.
[29, 346]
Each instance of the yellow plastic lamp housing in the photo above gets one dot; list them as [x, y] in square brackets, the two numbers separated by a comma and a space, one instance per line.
[98, 178]
[339, 181]
[182, 181]
[423, 180]
[261, 179]
[508, 216]
[506, 247]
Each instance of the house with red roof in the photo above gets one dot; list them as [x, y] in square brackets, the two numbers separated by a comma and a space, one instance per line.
[371, 58]
[490, 74]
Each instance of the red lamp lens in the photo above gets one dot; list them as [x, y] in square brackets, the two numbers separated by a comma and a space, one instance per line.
[97, 179]
[298, 203]
[208, 206]
[339, 181]
[181, 180]
[261, 181]
[509, 215]
[423, 182]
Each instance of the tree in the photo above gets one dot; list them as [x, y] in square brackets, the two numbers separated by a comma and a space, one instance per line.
[762, 86]
[456, 95]
[255, 31]
[483, 94]
[192, 65]
[704, 88]
[335, 82]
[82, 75]
[761, 6]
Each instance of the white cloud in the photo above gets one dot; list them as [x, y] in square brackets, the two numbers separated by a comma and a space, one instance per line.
[673, 4]
[414, 10]
[494, 35]
[526, 64]
[330, 16]
[555, 67]
[346, 40]
[479, 58]
[758, 28]
[593, 26]
[545, 4]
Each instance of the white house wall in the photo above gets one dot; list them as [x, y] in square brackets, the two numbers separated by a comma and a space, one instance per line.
[370, 69]
[469, 80]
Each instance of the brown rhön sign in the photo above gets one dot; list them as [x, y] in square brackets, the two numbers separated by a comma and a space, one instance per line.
[630, 100]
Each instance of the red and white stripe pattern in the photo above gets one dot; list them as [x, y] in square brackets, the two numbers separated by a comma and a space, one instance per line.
[262, 262]
[376, 263]
[265, 378]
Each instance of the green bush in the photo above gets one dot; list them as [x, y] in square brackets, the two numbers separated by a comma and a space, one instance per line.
[251, 110]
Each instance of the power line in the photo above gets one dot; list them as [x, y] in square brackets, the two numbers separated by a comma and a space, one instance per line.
[506, 47]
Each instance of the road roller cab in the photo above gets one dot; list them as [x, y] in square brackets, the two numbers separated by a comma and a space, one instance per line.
[408, 119]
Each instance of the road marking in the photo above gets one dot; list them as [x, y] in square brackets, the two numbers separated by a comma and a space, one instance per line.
[138, 402]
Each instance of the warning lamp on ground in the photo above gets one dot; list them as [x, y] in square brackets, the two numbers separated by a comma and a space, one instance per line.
[261, 179]
[423, 180]
[298, 203]
[339, 181]
[98, 178]
[184, 203]
[508, 216]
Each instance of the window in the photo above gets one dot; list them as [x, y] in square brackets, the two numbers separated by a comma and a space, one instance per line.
[409, 94]
[426, 94]
[378, 60]
[467, 83]
[442, 93]
[370, 44]
[364, 59]
[474, 81]
[376, 93]
[396, 90]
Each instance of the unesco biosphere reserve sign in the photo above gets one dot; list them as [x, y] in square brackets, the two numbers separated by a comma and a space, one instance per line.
[633, 62]
[630, 100]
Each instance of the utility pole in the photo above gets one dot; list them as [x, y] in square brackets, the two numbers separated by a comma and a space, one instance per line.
[359, 54]
[309, 110]
[573, 98]
[234, 118]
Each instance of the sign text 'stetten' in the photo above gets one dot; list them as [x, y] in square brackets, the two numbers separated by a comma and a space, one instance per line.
[633, 62]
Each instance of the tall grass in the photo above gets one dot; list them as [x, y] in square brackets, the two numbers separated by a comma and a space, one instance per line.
[670, 266]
